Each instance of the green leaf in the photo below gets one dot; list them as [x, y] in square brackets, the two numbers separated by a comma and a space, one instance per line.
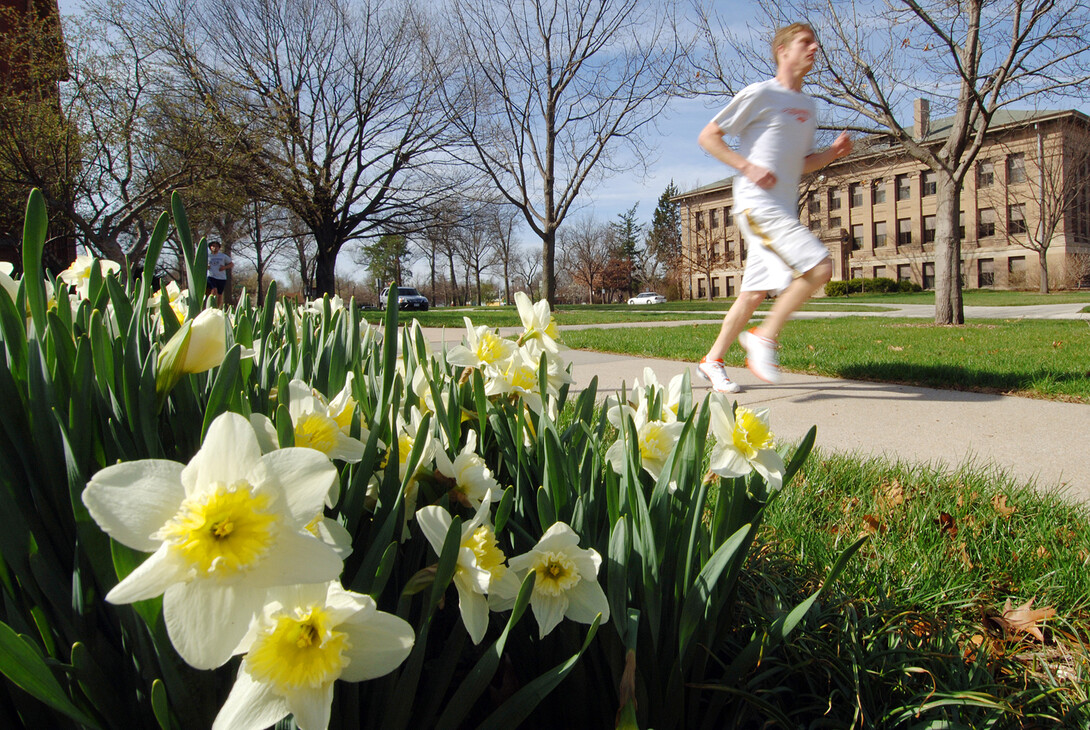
[34, 232]
[159, 704]
[698, 599]
[222, 387]
[522, 703]
[26, 668]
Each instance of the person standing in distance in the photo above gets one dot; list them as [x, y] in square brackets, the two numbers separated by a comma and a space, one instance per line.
[774, 123]
[218, 266]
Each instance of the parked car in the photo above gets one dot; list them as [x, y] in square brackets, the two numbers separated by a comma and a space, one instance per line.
[647, 297]
[407, 298]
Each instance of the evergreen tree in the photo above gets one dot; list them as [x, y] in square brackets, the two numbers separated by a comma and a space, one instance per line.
[627, 234]
[664, 238]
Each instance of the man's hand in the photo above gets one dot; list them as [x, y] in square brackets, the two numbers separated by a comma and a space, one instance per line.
[842, 146]
[760, 176]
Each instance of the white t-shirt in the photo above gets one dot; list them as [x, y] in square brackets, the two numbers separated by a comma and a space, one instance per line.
[775, 129]
[215, 261]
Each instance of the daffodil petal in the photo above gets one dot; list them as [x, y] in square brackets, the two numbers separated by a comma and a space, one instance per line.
[557, 538]
[586, 599]
[769, 464]
[207, 620]
[132, 500]
[250, 706]
[229, 451]
[548, 611]
[150, 579]
[346, 449]
[296, 558]
[434, 523]
[312, 707]
[305, 476]
[380, 643]
[728, 462]
[474, 609]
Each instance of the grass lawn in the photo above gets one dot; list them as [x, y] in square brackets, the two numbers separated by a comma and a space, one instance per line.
[929, 612]
[1038, 358]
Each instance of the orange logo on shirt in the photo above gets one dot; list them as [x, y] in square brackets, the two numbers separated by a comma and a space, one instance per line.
[801, 115]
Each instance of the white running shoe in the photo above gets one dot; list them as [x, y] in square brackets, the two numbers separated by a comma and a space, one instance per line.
[716, 373]
[762, 356]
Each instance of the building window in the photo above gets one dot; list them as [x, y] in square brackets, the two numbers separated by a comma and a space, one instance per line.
[715, 287]
[699, 221]
[904, 231]
[879, 233]
[961, 225]
[1016, 270]
[930, 184]
[986, 226]
[813, 204]
[1016, 218]
[904, 190]
[728, 219]
[814, 224]
[715, 250]
[1016, 168]
[730, 286]
[700, 289]
[879, 272]
[855, 192]
[834, 223]
[904, 272]
[929, 229]
[857, 237]
[985, 272]
[713, 219]
[929, 275]
[857, 272]
[985, 174]
[728, 250]
[878, 191]
[742, 249]
[834, 199]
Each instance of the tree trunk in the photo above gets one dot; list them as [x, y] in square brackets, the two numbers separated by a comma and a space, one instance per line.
[325, 279]
[948, 307]
[548, 251]
[1043, 256]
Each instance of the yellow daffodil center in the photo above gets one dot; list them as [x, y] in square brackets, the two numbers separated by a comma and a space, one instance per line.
[225, 531]
[655, 443]
[299, 651]
[482, 542]
[521, 377]
[404, 447]
[556, 573]
[316, 431]
[490, 348]
[751, 434]
[344, 418]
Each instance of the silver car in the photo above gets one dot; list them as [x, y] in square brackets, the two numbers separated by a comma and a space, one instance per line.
[407, 298]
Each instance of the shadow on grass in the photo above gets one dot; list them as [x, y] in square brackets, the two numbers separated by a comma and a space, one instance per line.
[1075, 384]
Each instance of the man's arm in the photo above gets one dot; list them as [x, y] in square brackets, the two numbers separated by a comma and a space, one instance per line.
[841, 147]
[711, 139]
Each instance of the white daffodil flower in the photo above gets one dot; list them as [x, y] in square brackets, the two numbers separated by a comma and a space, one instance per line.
[316, 427]
[538, 323]
[305, 639]
[566, 580]
[515, 377]
[473, 479]
[480, 568]
[655, 440]
[670, 396]
[222, 530]
[176, 298]
[743, 442]
[9, 284]
[78, 273]
[481, 346]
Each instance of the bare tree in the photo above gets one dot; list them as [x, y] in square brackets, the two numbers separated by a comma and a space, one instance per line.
[704, 256]
[585, 251]
[970, 58]
[504, 220]
[526, 266]
[561, 89]
[475, 244]
[336, 103]
[1057, 180]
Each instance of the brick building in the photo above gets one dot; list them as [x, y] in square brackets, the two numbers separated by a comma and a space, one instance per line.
[875, 210]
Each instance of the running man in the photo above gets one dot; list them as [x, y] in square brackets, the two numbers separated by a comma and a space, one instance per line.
[774, 123]
[218, 266]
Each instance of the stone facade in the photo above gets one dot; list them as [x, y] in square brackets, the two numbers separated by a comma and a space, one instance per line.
[875, 210]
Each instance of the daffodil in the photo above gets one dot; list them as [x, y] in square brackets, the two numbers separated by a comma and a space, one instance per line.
[481, 346]
[222, 530]
[565, 581]
[538, 323]
[654, 439]
[175, 297]
[515, 377]
[669, 396]
[743, 443]
[318, 426]
[306, 638]
[78, 273]
[7, 283]
[480, 567]
[473, 480]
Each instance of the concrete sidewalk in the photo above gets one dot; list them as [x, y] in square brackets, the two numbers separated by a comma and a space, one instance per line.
[1046, 442]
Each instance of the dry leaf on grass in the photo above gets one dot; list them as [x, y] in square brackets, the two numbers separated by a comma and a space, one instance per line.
[947, 524]
[891, 495]
[1025, 618]
[872, 525]
[999, 501]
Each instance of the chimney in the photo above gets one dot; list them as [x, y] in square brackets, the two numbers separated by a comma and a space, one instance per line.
[921, 118]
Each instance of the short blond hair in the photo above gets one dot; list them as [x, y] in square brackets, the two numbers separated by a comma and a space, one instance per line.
[784, 35]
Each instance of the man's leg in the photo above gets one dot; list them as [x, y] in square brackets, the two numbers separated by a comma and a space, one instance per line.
[793, 297]
[735, 321]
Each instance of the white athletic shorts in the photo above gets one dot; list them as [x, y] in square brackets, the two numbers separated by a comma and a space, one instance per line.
[778, 249]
